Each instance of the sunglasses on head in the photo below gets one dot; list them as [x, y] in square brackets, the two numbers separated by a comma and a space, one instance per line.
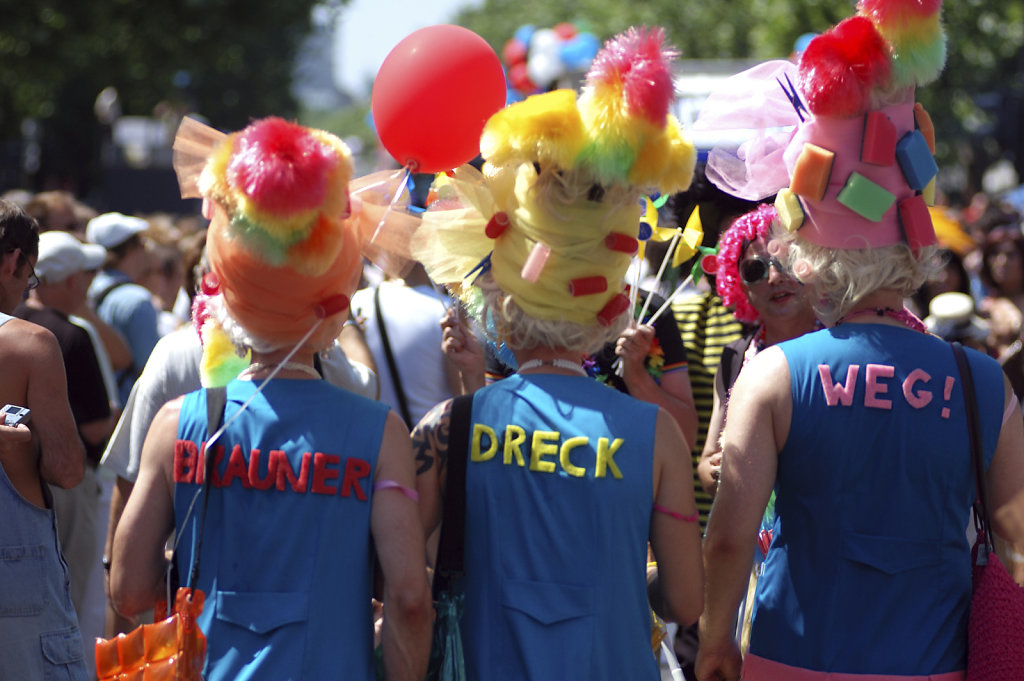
[753, 270]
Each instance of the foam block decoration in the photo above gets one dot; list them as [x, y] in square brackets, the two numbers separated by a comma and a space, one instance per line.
[812, 172]
[924, 123]
[928, 193]
[791, 213]
[865, 198]
[916, 223]
[879, 144]
[622, 243]
[585, 286]
[535, 262]
[916, 161]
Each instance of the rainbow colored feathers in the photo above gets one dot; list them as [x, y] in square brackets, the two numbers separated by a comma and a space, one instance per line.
[888, 47]
[620, 129]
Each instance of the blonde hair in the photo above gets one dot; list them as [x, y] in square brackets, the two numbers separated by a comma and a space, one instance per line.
[841, 278]
[504, 321]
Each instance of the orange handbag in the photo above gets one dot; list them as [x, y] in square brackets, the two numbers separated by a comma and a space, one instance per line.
[173, 649]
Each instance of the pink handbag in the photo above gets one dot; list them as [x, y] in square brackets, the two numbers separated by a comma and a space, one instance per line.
[995, 626]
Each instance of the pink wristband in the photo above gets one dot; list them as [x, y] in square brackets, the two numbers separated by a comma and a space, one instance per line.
[678, 516]
[391, 484]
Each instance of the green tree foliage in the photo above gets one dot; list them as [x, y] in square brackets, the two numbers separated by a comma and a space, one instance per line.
[229, 59]
[976, 104]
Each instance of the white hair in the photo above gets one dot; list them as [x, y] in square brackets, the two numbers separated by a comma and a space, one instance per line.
[842, 278]
[519, 331]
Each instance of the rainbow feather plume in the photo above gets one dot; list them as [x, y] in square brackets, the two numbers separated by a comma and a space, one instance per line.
[914, 30]
[626, 101]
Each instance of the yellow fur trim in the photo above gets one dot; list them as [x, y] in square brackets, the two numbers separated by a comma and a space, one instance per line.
[220, 364]
[666, 161]
[545, 128]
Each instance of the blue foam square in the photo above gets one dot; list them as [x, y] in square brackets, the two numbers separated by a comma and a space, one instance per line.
[916, 160]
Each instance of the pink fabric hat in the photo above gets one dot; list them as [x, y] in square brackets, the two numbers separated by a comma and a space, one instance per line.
[859, 170]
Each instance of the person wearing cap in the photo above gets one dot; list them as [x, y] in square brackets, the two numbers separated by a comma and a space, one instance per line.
[860, 428]
[310, 482]
[39, 634]
[116, 295]
[65, 269]
[566, 480]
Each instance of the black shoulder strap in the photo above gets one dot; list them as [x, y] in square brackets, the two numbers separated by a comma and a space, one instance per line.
[974, 430]
[396, 380]
[450, 563]
[216, 400]
[102, 295]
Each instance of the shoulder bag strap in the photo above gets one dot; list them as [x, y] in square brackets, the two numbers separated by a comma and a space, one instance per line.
[450, 564]
[974, 429]
[216, 400]
[396, 380]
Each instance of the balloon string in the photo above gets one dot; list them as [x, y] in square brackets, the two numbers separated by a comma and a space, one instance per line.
[394, 199]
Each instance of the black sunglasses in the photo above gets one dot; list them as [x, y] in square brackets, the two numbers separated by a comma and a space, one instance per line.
[753, 270]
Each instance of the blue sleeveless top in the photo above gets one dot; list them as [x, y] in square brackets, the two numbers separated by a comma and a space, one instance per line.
[559, 501]
[286, 558]
[869, 569]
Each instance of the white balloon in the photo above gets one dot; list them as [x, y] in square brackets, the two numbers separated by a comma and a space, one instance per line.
[544, 70]
[545, 41]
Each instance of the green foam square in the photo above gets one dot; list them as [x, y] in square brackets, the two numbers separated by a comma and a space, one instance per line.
[866, 198]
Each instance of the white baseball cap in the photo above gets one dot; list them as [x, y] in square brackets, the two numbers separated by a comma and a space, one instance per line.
[61, 255]
[113, 229]
[951, 317]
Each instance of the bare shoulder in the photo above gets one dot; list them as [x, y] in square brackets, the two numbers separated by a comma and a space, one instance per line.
[766, 376]
[430, 439]
[28, 341]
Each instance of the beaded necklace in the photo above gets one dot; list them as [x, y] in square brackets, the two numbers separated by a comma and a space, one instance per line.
[903, 316]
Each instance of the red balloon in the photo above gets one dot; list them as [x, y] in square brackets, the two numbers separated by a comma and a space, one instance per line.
[564, 30]
[432, 96]
[519, 78]
[514, 52]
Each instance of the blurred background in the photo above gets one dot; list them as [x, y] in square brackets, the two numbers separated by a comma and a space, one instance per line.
[91, 92]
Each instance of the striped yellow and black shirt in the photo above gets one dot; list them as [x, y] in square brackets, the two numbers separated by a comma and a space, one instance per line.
[707, 327]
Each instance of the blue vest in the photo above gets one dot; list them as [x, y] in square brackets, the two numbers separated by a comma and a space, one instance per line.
[869, 569]
[559, 499]
[286, 558]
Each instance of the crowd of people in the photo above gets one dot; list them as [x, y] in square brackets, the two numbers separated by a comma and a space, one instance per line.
[277, 403]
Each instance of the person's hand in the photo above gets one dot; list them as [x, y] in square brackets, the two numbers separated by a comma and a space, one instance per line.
[634, 345]
[718, 663]
[459, 344]
[13, 436]
[709, 470]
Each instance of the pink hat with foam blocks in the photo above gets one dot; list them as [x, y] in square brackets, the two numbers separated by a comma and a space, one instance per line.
[860, 157]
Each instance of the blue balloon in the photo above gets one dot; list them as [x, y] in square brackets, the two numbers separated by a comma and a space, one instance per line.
[579, 51]
[524, 33]
[513, 95]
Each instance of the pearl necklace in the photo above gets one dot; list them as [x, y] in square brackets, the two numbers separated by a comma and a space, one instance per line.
[285, 366]
[566, 364]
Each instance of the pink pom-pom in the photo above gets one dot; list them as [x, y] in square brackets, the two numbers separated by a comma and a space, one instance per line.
[637, 59]
[840, 66]
[281, 166]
